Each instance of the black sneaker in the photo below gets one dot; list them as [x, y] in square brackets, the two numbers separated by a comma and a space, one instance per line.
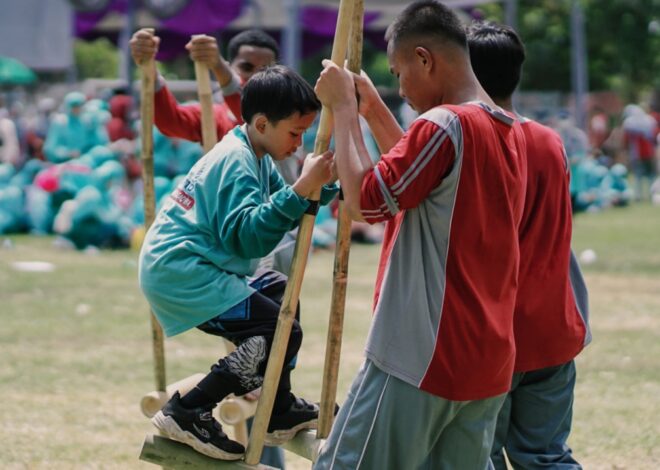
[283, 427]
[196, 428]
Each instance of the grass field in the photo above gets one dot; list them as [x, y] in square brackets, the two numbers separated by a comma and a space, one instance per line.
[76, 352]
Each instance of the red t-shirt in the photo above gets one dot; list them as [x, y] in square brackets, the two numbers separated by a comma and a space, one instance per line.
[548, 326]
[452, 192]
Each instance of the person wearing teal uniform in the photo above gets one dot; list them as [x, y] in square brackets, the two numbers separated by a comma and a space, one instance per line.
[198, 264]
[69, 135]
[615, 186]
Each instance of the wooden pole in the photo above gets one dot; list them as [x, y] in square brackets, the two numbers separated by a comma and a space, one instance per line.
[209, 133]
[303, 241]
[148, 73]
[340, 274]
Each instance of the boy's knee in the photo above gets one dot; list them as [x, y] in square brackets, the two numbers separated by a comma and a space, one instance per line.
[273, 281]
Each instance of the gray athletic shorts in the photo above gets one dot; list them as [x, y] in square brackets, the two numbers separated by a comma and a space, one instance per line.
[386, 423]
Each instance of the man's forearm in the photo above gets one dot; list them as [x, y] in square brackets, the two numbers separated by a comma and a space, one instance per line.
[174, 120]
[223, 73]
[351, 156]
[384, 126]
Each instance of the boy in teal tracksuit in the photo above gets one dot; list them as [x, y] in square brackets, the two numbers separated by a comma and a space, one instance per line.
[198, 264]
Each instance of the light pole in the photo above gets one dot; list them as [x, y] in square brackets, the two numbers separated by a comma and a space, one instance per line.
[511, 13]
[579, 73]
[125, 71]
[291, 34]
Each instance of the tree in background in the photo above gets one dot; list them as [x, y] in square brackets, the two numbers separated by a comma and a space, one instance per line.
[624, 45]
[623, 41]
[96, 59]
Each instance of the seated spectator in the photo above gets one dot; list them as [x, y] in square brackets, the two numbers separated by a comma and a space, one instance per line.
[69, 136]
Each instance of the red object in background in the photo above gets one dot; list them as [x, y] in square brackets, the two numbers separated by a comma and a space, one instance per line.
[133, 168]
[35, 146]
[119, 127]
[48, 180]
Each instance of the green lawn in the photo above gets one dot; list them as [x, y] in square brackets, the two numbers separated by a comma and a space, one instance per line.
[76, 351]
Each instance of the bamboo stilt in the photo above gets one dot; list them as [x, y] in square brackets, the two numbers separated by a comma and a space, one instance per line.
[340, 274]
[148, 78]
[303, 241]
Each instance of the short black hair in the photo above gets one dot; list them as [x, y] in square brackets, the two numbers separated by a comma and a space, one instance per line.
[497, 55]
[427, 18]
[252, 37]
[277, 92]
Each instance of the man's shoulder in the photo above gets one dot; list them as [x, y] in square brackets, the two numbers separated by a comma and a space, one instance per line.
[473, 111]
[442, 116]
[536, 127]
[539, 132]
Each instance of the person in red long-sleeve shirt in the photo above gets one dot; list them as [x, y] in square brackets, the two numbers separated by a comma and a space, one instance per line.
[249, 52]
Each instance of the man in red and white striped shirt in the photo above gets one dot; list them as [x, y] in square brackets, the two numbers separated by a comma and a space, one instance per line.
[440, 352]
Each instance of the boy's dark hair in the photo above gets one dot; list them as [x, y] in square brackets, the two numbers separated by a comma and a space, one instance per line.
[427, 18]
[497, 55]
[277, 92]
[252, 37]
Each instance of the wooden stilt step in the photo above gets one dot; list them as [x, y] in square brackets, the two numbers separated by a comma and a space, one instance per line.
[305, 444]
[174, 455]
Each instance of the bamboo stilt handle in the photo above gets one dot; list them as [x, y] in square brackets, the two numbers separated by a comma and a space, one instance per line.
[209, 133]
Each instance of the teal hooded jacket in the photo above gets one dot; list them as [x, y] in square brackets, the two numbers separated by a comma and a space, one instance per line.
[231, 210]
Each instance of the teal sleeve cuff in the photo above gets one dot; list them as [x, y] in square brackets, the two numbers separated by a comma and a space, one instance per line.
[288, 202]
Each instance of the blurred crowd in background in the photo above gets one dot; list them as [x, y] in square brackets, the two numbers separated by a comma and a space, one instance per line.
[70, 151]
[72, 166]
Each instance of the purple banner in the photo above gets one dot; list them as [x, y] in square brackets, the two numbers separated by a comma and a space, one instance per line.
[322, 20]
[197, 17]
[85, 22]
[204, 17]
[208, 17]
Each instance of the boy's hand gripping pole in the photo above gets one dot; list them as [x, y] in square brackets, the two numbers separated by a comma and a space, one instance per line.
[303, 241]
[148, 77]
[340, 273]
[209, 133]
